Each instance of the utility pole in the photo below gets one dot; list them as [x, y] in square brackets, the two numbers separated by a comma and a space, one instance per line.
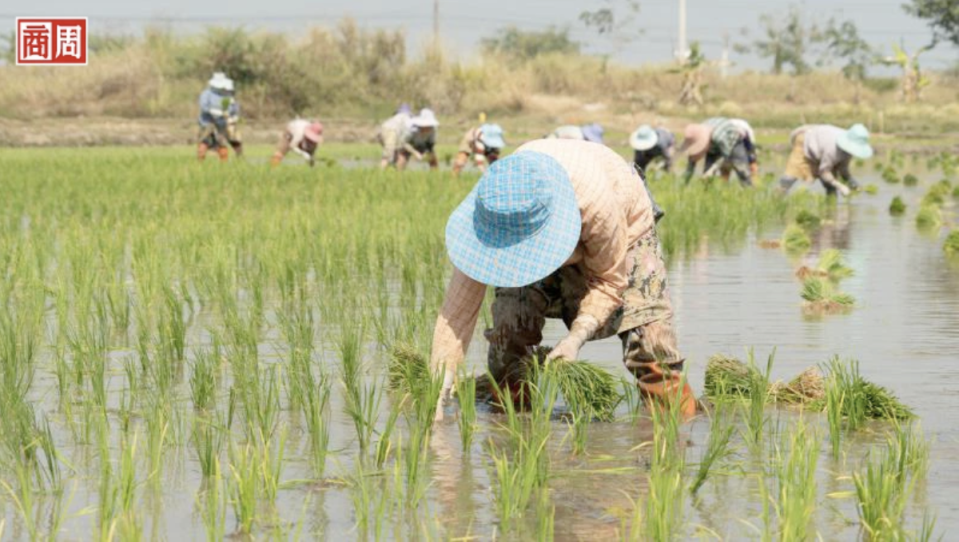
[436, 25]
[724, 62]
[682, 52]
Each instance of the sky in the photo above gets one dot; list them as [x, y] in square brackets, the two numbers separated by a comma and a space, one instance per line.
[463, 24]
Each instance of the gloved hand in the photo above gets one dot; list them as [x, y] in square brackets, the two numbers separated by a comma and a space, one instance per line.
[843, 189]
[583, 328]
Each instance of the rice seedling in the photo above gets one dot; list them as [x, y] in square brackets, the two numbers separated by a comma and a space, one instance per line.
[955, 192]
[316, 413]
[203, 378]
[897, 207]
[795, 239]
[466, 397]
[807, 220]
[208, 440]
[951, 245]
[796, 459]
[819, 295]
[881, 494]
[757, 396]
[928, 217]
[910, 180]
[717, 448]
[212, 503]
[244, 486]
[871, 189]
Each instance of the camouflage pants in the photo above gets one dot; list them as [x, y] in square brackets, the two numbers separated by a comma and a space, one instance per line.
[213, 136]
[643, 322]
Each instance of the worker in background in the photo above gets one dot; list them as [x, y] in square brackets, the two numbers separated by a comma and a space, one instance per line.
[302, 137]
[824, 152]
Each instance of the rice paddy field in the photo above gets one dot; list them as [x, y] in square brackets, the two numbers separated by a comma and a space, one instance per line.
[199, 351]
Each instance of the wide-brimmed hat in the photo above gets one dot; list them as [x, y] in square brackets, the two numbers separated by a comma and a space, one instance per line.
[426, 119]
[855, 141]
[492, 136]
[520, 223]
[220, 81]
[593, 132]
[696, 140]
[644, 138]
[314, 132]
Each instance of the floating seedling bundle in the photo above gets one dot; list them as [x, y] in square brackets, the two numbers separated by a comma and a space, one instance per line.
[586, 387]
[730, 378]
[820, 295]
[830, 266]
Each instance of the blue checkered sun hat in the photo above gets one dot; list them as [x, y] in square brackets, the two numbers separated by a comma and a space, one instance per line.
[519, 224]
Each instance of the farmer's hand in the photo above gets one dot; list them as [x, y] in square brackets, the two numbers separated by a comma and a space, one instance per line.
[418, 155]
[446, 394]
[583, 328]
[843, 189]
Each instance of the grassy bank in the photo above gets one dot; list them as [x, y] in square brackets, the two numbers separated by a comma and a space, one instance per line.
[349, 73]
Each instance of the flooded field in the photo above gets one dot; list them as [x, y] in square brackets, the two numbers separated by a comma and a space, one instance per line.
[200, 352]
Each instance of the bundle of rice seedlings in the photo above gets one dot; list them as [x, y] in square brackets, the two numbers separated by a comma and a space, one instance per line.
[407, 369]
[806, 388]
[933, 197]
[890, 175]
[910, 180]
[951, 245]
[830, 265]
[897, 206]
[955, 192]
[770, 243]
[795, 239]
[929, 216]
[821, 296]
[862, 398]
[807, 220]
[871, 189]
[728, 377]
[587, 388]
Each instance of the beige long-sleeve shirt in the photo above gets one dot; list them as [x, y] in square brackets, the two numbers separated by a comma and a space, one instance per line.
[615, 212]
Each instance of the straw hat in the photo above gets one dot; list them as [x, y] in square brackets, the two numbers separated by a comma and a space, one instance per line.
[644, 138]
[519, 224]
[855, 141]
[696, 140]
[426, 119]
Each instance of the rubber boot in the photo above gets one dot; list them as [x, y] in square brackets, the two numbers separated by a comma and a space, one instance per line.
[649, 353]
[224, 153]
[659, 388]
[201, 151]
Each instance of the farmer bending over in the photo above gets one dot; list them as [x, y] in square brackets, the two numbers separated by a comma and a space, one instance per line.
[233, 120]
[650, 144]
[823, 152]
[560, 229]
[483, 144]
[419, 141]
[215, 102]
[390, 134]
[302, 137]
[725, 146]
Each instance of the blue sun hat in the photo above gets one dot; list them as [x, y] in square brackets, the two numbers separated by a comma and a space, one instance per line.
[520, 223]
[492, 136]
[593, 132]
[855, 141]
[644, 138]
